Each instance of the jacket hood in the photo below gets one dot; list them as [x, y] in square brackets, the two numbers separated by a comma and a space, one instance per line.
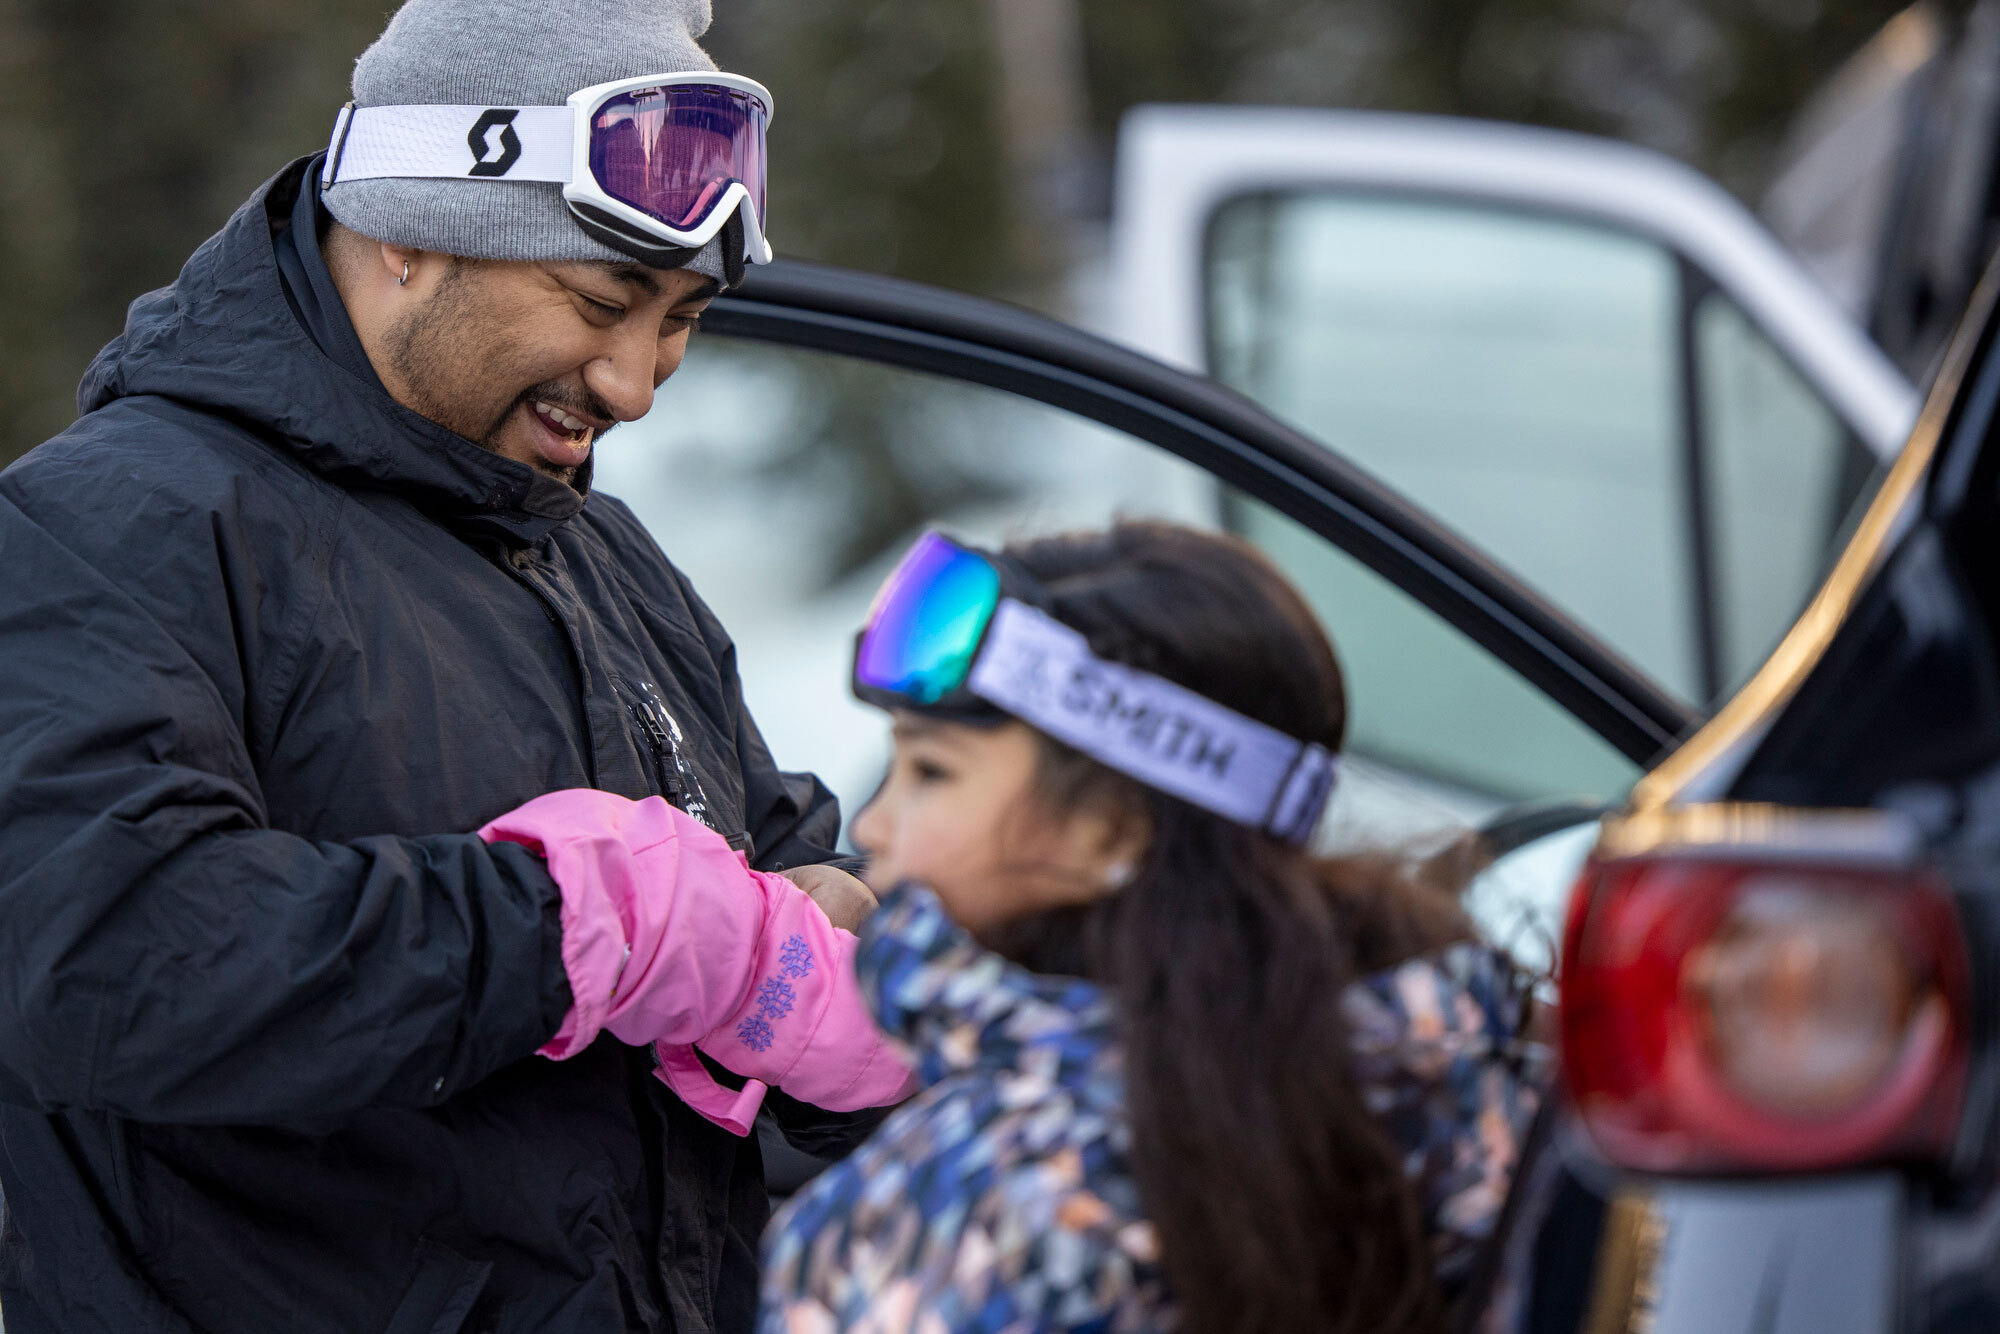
[225, 339]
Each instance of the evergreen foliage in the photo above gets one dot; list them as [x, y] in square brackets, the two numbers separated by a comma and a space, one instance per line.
[130, 128]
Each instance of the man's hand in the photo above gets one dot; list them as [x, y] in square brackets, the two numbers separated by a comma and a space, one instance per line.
[846, 902]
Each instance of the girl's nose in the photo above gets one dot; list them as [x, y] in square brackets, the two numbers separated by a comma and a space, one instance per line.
[867, 829]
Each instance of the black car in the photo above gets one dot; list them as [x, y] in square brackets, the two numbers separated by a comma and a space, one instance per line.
[1779, 974]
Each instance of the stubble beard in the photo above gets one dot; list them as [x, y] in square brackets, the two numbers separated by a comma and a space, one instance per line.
[431, 352]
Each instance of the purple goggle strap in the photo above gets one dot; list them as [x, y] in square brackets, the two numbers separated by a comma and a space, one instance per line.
[1163, 735]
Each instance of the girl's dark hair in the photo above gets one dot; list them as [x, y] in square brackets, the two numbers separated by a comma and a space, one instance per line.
[1279, 1203]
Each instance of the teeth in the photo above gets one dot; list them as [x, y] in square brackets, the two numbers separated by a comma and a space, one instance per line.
[560, 418]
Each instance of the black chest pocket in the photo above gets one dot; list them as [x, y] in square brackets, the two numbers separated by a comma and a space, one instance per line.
[676, 772]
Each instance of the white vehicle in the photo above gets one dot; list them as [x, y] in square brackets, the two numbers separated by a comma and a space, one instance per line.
[1585, 357]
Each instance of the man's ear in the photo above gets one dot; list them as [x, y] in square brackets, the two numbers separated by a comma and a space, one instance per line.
[410, 267]
[361, 263]
[398, 260]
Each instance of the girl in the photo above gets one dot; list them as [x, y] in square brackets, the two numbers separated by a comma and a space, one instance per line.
[1179, 1074]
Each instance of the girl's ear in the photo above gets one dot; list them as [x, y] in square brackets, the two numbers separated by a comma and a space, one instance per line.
[1120, 846]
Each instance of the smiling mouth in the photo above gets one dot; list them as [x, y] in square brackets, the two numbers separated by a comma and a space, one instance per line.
[575, 430]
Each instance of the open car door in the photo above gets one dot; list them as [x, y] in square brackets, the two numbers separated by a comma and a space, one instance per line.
[826, 417]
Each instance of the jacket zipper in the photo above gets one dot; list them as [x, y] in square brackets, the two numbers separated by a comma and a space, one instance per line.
[549, 610]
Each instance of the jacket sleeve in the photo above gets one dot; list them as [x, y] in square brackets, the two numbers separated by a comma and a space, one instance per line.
[672, 940]
[165, 955]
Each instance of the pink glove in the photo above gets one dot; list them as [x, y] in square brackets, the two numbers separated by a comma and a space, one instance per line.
[670, 938]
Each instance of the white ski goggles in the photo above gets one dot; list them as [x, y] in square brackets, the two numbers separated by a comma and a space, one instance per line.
[652, 166]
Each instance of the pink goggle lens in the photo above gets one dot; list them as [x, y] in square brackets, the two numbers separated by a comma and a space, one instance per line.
[673, 152]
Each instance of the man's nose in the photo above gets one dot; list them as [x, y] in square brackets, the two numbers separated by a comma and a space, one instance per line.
[625, 377]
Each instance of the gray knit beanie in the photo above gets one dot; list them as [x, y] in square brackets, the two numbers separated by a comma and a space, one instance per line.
[508, 53]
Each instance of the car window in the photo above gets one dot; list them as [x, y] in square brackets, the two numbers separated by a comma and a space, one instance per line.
[1783, 474]
[1515, 374]
[1423, 697]
[785, 483]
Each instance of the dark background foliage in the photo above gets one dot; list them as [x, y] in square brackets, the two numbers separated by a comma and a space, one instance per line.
[130, 129]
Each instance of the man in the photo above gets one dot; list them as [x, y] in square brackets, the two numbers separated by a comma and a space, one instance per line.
[315, 588]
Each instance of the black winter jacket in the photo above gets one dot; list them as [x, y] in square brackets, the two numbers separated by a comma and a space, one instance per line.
[271, 645]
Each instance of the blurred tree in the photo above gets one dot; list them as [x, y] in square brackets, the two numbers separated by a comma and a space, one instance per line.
[1043, 108]
[1710, 81]
[130, 128]
[885, 155]
[884, 149]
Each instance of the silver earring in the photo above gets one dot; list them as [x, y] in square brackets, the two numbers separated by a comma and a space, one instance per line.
[1119, 874]
[405, 280]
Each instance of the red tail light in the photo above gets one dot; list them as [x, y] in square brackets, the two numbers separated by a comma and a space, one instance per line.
[1725, 1009]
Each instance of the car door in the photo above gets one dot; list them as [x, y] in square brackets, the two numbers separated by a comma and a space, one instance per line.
[1584, 357]
[823, 418]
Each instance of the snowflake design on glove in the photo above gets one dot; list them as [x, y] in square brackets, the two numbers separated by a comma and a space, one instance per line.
[775, 998]
[755, 1033]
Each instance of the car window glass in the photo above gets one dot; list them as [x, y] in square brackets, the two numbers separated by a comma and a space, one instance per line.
[786, 483]
[1425, 700]
[1516, 374]
[1782, 475]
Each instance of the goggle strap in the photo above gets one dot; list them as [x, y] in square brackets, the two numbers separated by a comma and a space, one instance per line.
[336, 147]
[1164, 735]
[452, 143]
[1301, 801]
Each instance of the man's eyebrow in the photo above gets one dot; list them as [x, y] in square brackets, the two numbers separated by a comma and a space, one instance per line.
[637, 275]
[643, 278]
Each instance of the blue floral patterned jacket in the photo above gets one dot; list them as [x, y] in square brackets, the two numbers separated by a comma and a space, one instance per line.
[1002, 1198]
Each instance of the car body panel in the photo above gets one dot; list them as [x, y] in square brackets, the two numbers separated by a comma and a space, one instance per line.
[1588, 1250]
[1765, 1258]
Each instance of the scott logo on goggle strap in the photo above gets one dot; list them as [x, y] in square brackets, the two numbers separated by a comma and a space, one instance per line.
[510, 143]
